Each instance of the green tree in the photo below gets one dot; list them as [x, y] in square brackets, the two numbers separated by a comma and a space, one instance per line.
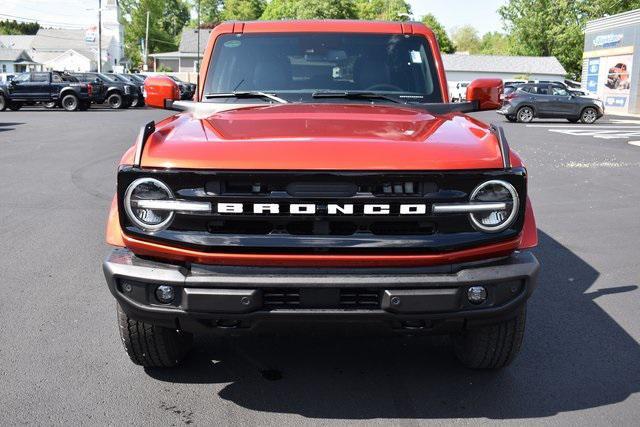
[310, 9]
[243, 10]
[466, 39]
[495, 43]
[446, 45]
[166, 20]
[210, 11]
[385, 10]
[18, 28]
[555, 27]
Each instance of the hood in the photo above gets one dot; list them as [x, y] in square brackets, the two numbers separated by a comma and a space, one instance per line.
[323, 137]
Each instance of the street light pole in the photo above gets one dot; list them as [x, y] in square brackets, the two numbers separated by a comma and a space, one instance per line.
[146, 44]
[99, 36]
[198, 57]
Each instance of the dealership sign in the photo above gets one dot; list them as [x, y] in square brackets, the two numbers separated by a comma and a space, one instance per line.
[608, 40]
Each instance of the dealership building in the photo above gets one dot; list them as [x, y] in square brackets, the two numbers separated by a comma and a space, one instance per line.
[611, 48]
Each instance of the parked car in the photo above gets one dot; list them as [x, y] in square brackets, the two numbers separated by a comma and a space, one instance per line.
[355, 195]
[138, 97]
[115, 93]
[53, 87]
[186, 89]
[549, 100]
[459, 92]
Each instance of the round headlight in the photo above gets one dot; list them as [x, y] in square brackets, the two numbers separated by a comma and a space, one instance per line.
[148, 189]
[495, 191]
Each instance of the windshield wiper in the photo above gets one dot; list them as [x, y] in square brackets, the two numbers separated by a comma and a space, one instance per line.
[356, 95]
[249, 94]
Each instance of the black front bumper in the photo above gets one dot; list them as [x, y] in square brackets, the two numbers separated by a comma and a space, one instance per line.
[218, 297]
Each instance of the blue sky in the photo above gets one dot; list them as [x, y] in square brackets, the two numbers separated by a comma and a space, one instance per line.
[82, 13]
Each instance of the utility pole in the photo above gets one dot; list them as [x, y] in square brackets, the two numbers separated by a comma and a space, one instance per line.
[198, 57]
[146, 44]
[99, 36]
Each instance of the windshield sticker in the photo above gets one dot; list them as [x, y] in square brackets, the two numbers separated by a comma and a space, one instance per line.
[232, 43]
[416, 58]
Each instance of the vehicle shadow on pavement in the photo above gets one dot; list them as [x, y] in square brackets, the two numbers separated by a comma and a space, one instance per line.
[575, 356]
[7, 126]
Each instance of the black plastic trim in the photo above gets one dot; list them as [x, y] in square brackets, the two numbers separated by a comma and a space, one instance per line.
[504, 145]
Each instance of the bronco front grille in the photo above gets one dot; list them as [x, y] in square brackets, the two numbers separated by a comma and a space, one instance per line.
[331, 227]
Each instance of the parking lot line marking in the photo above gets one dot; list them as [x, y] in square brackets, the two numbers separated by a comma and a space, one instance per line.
[607, 126]
[600, 133]
[636, 143]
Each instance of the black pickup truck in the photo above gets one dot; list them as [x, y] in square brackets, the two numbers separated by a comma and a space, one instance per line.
[52, 87]
[115, 93]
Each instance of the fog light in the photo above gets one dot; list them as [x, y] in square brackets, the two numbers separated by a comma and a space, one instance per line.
[165, 294]
[126, 287]
[477, 294]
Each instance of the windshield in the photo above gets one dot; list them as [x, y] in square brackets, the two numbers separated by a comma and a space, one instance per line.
[135, 78]
[105, 77]
[294, 65]
[116, 77]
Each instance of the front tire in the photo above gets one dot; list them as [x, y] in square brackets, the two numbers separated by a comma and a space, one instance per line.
[152, 346]
[525, 115]
[3, 102]
[70, 102]
[115, 101]
[493, 346]
[589, 115]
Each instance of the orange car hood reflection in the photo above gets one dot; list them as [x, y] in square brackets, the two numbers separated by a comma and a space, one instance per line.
[323, 137]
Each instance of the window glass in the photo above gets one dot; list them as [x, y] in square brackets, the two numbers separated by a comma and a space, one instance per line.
[24, 77]
[56, 78]
[559, 91]
[40, 77]
[303, 63]
[542, 90]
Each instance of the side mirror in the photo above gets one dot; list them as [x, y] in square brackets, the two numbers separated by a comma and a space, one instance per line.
[97, 81]
[12, 82]
[160, 92]
[485, 93]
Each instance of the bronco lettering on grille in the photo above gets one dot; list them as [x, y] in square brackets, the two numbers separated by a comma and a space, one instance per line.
[328, 209]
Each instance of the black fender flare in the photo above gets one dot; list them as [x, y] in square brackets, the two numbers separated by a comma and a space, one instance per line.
[65, 91]
[112, 90]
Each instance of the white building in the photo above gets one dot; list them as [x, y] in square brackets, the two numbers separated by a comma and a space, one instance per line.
[462, 67]
[186, 58]
[74, 50]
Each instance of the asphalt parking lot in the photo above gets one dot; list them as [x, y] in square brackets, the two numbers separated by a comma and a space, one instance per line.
[61, 360]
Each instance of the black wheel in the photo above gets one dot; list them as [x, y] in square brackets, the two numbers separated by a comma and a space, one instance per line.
[70, 102]
[589, 115]
[512, 118]
[493, 346]
[572, 120]
[524, 114]
[135, 102]
[3, 102]
[115, 101]
[126, 104]
[49, 105]
[84, 105]
[152, 346]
